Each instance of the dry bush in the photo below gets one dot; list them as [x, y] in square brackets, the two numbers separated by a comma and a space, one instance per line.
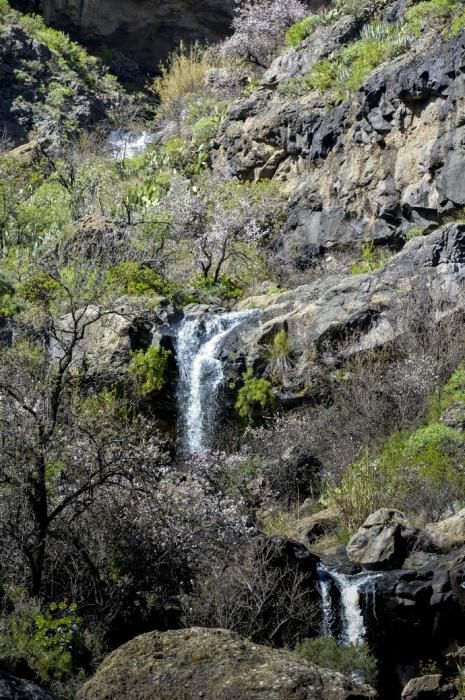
[183, 74]
[259, 594]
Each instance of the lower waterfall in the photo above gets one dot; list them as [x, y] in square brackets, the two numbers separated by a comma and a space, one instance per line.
[199, 342]
[347, 618]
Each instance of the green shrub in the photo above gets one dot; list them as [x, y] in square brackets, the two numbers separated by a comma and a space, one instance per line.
[362, 490]
[300, 30]
[48, 642]
[429, 13]
[226, 287]
[182, 75]
[135, 279]
[278, 356]
[458, 24]
[344, 73]
[147, 368]
[40, 288]
[254, 396]
[353, 660]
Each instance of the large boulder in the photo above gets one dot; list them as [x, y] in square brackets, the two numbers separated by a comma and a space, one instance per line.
[212, 664]
[384, 540]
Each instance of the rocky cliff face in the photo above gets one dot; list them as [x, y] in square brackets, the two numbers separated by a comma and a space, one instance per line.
[146, 30]
[385, 160]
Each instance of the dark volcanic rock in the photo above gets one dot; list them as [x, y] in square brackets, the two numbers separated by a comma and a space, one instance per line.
[371, 168]
[12, 688]
[214, 665]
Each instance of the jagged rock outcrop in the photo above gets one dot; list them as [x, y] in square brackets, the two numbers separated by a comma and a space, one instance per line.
[38, 93]
[365, 311]
[212, 664]
[370, 168]
[142, 29]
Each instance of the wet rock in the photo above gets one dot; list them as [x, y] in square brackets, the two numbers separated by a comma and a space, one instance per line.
[12, 688]
[212, 664]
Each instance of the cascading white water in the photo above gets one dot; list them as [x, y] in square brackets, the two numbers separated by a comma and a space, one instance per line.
[199, 343]
[125, 144]
[324, 586]
[351, 587]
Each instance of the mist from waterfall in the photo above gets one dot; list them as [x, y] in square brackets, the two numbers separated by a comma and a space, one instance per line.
[200, 340]
[349, 613]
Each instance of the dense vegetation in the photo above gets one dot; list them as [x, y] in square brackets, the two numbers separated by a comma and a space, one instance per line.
[103, 533]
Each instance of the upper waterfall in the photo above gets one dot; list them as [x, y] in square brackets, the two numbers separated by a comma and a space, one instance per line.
[199, 343]
[351, 622]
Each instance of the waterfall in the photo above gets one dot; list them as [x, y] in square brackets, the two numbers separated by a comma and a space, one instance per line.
[125, 144]
[350, 588]
[199, 343]
[324, 586]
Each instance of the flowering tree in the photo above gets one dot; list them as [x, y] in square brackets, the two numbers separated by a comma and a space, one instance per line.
[259, 27]
[222, 219]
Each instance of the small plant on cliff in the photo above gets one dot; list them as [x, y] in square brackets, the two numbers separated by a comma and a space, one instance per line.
[254, 397]
[305, 27]
[147, 368]
[278, 356]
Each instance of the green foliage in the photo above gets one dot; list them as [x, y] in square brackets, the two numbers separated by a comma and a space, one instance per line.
[225, 287]
[458, 24]
[361, 491]
[40, 288]
[70, 55]
[345, 71]
[371, 259]
[147, 368]
[303, 28]
[4, 8]
[48, 642]
[135, 279]
[256, 394]
[57, 95]
[413, 232]
[429, 13]
[352, 660]
[277, 355]
[8, 305]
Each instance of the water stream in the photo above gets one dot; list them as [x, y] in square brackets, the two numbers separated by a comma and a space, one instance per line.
[347, 618]
[200, 340]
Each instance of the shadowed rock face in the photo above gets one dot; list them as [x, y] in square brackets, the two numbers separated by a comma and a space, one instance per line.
[145, 30]
[212, 664]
